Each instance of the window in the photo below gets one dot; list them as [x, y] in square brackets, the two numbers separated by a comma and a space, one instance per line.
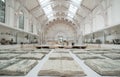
[32, 28]
[2, 11]
[21, 20]
[60, 38]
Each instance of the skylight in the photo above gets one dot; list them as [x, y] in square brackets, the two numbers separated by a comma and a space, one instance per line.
[70, 15]
[77, 1]
[47, 9]
[43, 2]
[50, 16]
[3, 0]
[73, 9]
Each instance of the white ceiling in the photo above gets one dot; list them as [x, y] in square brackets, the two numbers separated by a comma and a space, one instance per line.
[60, 8]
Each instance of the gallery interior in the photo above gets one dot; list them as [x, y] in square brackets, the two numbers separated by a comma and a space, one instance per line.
[59, 38]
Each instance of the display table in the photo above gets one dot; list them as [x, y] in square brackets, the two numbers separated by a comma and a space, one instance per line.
[61, 46]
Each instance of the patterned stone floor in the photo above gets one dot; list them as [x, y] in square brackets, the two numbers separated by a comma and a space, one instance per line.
[87, 68]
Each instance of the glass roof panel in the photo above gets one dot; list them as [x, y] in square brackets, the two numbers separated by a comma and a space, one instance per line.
[50, 15]
[47, 9]
[73, 10]
[77, 1]
[43, 2]
[70, 15]
[3, 0]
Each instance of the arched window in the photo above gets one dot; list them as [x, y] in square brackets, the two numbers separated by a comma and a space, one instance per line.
[2, 11]
[32, 28]
[21, 20]
[60, 38]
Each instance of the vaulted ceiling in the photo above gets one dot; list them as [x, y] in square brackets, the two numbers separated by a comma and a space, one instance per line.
[49, 10]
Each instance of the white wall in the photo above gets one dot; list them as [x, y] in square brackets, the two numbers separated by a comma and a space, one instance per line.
[13, 7]
[105, 15]
[115, 12]
[60, 29]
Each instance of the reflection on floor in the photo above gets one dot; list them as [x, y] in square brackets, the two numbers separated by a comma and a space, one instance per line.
[60, 63]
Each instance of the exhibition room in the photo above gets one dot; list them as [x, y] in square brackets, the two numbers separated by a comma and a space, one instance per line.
[59, 38]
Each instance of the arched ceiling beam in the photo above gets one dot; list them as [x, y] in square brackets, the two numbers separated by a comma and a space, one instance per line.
[35, 8]
[67, 22]
[69, 19]
[86, 7]
[65, 14]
